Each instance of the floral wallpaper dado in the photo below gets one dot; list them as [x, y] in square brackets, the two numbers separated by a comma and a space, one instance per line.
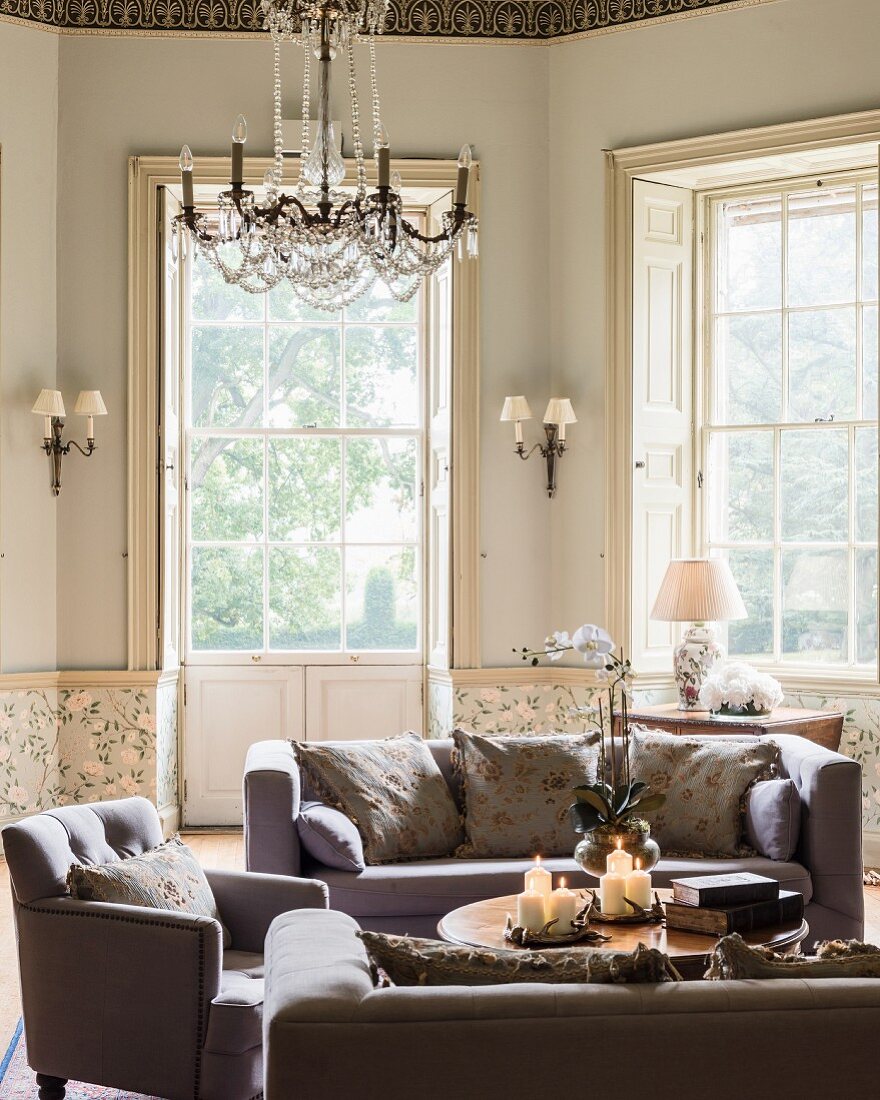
[507, 707]
[60, 746]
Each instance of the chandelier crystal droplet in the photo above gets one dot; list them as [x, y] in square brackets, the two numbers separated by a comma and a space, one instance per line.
[331, 240]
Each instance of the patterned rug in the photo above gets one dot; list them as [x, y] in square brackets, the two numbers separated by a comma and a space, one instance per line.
[17, 1078]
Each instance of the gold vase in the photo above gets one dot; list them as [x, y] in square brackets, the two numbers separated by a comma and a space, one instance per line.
[635, 838]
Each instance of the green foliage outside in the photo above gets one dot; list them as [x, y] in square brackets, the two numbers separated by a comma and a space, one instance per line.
[320, 491]
[823, 380]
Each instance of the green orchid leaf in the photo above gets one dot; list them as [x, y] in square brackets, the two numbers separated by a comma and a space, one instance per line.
[596, 801]
[651, 802]
[584, 818]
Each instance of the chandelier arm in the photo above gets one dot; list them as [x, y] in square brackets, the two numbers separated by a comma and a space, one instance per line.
[461, 218]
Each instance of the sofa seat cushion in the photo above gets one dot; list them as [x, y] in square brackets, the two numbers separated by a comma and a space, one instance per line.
[235, 1023]
[437, 886]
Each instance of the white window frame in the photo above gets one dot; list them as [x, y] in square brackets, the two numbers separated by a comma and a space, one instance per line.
[693, 162]
[148, 176]
[708, 203]
[344, 655]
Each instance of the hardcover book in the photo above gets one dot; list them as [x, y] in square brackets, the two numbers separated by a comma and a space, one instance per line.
[722, 920]
[714, 890]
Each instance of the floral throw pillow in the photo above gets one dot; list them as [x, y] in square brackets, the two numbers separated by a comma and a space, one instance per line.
[705, 780]
[166, 877]
[393, 790]
[517, 791]
[409, 961]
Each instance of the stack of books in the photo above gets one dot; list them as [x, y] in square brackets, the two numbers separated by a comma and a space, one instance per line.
[720, 904]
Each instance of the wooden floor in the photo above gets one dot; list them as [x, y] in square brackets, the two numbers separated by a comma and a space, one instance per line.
[224, 851]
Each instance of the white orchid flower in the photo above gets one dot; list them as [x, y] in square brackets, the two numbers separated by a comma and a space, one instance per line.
[556, 644]
[594, 643]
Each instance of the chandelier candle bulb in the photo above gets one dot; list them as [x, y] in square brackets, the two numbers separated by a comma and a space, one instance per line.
[564, 906]
[612, 890]
[239, 137]
[531, 910]
[638, 886]
[186, 175]
[539, 879]
[619, 862]
[465, 160]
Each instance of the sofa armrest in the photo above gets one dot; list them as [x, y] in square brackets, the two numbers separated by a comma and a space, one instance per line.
[105, 987]
[249, 902]
[830, 847]
[271, 796]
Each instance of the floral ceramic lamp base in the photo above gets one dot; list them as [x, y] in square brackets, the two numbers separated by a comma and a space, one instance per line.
[693, 659]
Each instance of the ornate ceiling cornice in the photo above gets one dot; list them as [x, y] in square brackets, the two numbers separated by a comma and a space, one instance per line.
[537, 21]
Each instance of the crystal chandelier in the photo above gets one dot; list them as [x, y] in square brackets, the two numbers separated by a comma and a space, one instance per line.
[331, 244]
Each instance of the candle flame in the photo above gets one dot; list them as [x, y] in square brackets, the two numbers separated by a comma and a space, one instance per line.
[562, 884]
[619, 843]
[638, 865]
[537, 861]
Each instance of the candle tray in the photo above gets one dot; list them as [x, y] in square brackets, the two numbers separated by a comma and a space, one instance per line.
[524, 937]
[654, 915]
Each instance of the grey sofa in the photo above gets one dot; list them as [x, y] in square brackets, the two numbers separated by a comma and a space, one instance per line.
[134, 998]
[412, 897]
[327, 1032]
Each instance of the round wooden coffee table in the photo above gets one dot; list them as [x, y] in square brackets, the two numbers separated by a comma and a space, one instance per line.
[482, 923]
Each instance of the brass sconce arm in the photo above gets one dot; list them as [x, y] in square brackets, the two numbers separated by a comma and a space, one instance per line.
[551, 452]
[559, 413]
[57, 449]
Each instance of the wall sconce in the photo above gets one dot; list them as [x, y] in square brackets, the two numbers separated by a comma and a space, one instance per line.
[50, 405]
[557, 414]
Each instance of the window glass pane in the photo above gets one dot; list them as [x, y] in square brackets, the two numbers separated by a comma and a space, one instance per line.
[226, 483]
[226, 376]
[869, 242]
[382, 598]
[822, 364]
[377, 306]
[741, 487]
[822, 247]
[753, 571]
[814, 606]
[227, 598]
[748, 364]
[750, 259]
[305, 493]
[213, 299]
[304, 376]
[305, 598]
[866, 606]
[381, 377]
[285, 306]
[866, 484]
[380, 490]
[869, 363]
[814, 483]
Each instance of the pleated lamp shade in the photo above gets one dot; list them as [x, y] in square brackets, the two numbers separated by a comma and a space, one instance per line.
[559, 411]
[698, 590]
[49, 403]
[90, 403]
[516, 408]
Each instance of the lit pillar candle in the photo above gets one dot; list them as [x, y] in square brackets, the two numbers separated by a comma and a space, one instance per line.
[539, 879]
[564, 905]
[619, 861]
[612, 889]
[638, 886]
[531, 911]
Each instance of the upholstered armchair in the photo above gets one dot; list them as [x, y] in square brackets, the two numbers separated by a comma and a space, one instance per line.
[133, 998]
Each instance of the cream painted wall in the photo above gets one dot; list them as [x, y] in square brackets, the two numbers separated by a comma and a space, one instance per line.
[28, 351]
[751, 67]
[122, 96]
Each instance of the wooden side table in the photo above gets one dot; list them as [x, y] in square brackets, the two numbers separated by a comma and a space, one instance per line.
[820, 726]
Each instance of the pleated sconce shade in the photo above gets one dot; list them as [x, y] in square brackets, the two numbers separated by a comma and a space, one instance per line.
[90, 403]
[49, 403]
[516, 408]
[559, 411]
[698, 590]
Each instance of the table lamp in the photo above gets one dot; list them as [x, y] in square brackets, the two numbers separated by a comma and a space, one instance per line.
[699, 591]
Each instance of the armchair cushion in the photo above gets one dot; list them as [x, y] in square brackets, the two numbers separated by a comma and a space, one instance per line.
[165, 877]
[330, 837]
